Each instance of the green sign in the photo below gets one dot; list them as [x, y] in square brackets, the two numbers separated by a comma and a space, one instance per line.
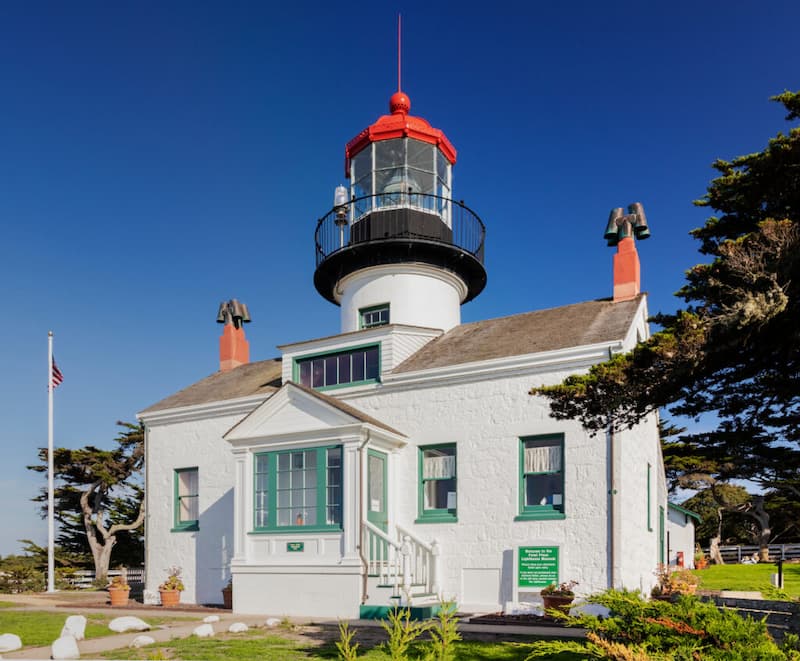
[294, 547]
[537, 566]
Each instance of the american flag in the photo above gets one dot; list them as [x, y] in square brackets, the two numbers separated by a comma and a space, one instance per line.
[56, 375]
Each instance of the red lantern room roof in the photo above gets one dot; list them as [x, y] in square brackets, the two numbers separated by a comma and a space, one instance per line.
[399, 124]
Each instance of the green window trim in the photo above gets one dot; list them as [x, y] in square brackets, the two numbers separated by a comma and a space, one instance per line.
[182, 477]
[547, 511]
[436, 515]
[306, 376]
[649, 498]
[327, 487]
[372, 316]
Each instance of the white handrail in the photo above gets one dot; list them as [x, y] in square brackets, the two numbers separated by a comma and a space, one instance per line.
[402, 563]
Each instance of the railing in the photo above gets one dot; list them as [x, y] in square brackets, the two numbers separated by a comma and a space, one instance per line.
[432, 219]
[383, 555]
[777, 552]
[424, 561]
[84, 578]
[405, 565]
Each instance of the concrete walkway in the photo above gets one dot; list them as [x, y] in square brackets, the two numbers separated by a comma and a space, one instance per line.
[70, 603]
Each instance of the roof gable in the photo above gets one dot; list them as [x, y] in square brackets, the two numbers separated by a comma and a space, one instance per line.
[296, 409]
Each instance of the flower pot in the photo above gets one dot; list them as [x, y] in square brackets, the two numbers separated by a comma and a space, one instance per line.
[227, 597]
[119, 596]
[170, 597]
[557, 601]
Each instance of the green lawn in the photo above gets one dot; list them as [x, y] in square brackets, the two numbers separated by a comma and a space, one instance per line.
[748, 577]
[39, 628]
[257, 644]
[7, 604]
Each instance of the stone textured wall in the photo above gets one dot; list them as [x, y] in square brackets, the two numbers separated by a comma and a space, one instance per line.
[205, 565]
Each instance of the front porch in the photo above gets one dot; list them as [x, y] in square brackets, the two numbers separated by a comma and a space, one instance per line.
[315, 527]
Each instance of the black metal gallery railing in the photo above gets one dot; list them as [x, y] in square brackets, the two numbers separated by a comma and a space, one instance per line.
[396, 217]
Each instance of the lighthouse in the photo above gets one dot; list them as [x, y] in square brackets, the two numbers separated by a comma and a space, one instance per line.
[396, 247]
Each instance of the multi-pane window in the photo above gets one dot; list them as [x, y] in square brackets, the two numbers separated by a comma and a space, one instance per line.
[542, 476]
[377, 315]
[340, 368]
[396, 172]
[187, 509]
[438, 483]
[298, 488]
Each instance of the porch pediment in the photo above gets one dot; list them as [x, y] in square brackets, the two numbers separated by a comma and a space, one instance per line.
[296, 411]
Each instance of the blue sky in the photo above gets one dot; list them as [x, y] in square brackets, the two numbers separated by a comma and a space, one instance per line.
[157, 158]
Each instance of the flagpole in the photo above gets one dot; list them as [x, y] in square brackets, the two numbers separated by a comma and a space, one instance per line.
[51, 528]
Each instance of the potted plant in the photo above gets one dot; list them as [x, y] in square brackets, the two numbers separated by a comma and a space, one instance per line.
[700, 560]
[673, 583]
[119, 591]
[558, 595]
[227, 595]
[171, 589]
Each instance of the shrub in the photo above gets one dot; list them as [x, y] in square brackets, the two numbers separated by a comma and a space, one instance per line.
[684, 630]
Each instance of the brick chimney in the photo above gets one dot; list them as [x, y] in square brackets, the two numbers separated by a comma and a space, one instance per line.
[627, 277]
[620, 232]
[234, 349]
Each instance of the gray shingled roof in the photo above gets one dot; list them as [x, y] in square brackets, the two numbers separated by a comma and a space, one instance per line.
[262, 377]
[574, 325]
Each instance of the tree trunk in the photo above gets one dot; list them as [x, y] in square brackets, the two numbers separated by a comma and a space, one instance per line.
[713, 545]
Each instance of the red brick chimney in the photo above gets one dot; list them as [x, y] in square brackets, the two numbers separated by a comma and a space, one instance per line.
[627, 279]
[234, 349]
[620, 232]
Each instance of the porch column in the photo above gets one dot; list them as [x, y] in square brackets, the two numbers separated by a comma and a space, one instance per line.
[350, 505]
[240, 496]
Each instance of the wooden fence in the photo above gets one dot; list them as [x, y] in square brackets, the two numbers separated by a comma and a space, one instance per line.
[735, 554]
[84, 578]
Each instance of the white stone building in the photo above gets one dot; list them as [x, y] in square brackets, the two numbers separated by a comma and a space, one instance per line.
[404, 459]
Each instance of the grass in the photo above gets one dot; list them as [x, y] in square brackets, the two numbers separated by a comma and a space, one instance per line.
[256, 644]
[41, 628]
[748, 577]
[7, 604]
[37, 629]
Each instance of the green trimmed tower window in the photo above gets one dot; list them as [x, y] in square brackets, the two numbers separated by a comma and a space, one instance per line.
[371, 317]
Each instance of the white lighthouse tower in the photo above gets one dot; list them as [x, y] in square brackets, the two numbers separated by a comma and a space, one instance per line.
[396, 248]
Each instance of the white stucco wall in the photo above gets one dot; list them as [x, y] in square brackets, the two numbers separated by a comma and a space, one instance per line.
[486, 420]
[205, 554]
[681, 538]
[418, 295]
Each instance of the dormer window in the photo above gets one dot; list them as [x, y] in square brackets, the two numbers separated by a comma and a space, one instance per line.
[377, 315]
[339, 368]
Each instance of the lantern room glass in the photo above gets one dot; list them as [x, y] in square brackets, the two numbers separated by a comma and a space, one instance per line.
[401, 172]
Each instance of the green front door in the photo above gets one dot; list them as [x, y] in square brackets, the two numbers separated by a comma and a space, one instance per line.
[377, 512]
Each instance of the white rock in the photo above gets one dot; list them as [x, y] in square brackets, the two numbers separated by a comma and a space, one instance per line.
[128, 623]
[272, 622]
[211, 618]
[204, 631]
[597, 610]
[238, 627]
[10, 642]
[65, 647]
[141, 641]
[75, 626]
